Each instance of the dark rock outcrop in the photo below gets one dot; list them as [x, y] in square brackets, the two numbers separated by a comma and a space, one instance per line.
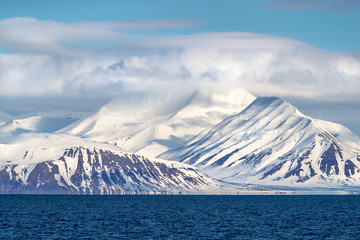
[96, 171]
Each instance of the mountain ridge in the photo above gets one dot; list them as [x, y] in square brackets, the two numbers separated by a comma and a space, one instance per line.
[153, 130]
[270, 139]
[45, 163]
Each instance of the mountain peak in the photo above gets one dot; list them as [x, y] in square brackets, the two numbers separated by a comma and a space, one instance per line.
[237, 96]
[265, 101]
[272, 105]
[272, 143]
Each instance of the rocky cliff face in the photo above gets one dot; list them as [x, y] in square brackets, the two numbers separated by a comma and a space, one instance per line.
[95, 171]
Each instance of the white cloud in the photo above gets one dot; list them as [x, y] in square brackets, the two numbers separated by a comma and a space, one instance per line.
[49, 63]
[68, 39]
[348, 65]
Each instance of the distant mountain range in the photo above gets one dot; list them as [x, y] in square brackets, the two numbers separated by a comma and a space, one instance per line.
[134, 144]
[153, 124]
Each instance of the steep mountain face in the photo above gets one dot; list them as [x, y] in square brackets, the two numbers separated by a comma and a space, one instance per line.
[95, 171]
[150, 125]
[272, 143]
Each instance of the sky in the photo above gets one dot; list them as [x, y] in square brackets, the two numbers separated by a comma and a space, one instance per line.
[79, 55]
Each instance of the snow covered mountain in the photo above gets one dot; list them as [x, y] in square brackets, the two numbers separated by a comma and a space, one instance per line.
[47, 121]
[37, 122]
[150, 125]
[232, 137]
[272, 143]
[55, 163]
[35, 159]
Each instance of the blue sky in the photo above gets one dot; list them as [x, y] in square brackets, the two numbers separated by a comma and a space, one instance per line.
[327, 24]
[79, 54]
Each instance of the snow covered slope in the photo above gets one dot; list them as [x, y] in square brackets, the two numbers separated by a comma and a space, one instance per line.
[32, 162]
[340, 132]
[37, 122]
[152, 124]
[48, 121]
[272, 143]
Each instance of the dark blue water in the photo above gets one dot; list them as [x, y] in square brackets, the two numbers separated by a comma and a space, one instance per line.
[179, 217]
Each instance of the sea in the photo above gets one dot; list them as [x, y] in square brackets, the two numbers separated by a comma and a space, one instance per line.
[179, 217]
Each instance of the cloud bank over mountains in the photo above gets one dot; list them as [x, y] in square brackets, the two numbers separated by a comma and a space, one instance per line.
[76, 59]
